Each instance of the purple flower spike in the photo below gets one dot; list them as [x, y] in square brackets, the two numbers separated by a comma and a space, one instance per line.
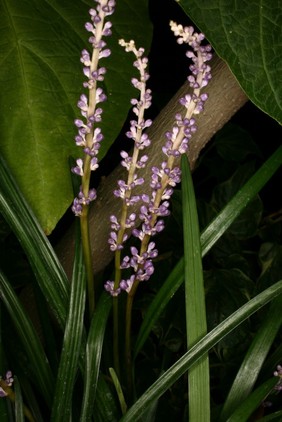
[155, 204]
[89, 136]
[132, 164]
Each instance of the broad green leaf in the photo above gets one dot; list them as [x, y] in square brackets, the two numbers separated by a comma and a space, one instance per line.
[41, 81]
[196, 325]
[165, 381]
[248, 36]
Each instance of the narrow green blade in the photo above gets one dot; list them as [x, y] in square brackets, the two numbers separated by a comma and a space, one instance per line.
[165, 381]
[93, 354]
[19, 411]
[71, 350]
[196, 325]
[38, 361]
[208, 238]
[274, 417]
[45, 264]
[253, 361]
[245, 410]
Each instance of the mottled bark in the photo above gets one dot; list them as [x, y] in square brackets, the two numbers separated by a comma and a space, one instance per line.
[225, 98]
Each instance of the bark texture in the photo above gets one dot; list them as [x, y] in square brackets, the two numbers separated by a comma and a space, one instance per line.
[225, 99]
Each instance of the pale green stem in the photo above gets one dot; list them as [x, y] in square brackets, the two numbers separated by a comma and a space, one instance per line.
[128, 358]
[86, 247]
[116, 336]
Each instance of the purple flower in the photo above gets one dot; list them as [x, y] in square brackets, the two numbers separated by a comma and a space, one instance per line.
[127, 284]
[113, 241]
[6, 382]
[109, 287]
[82, 200]
[140, 263]
[114, 223]
[79, 167]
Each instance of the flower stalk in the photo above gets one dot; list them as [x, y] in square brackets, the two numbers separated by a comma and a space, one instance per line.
[89, 135]
[155, 204]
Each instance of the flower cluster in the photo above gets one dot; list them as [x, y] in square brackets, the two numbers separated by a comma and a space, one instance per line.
[168, 175]
[7, 382]
[89, 136]
[132, 164]
[155, 204]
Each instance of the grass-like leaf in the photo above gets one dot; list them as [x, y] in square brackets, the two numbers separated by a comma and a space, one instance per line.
[274, 417]
[166, 380]
[254, 400]
[93, 355]
[4, 417]
[19, 407]
[196, 325]
[31, 401]
[253, 361]
[42, 374]
[105, 404]
[71, 349]
[45, 264]
[208, 238]
[119, 391]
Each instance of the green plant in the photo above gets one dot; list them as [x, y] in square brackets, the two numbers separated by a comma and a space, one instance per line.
[209, 319]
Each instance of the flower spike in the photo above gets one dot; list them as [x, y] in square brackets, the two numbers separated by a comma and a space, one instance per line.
[155, 204]
[89, 136]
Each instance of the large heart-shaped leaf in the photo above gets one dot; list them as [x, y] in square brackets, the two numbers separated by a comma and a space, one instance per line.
[41, 80]
[247, 34]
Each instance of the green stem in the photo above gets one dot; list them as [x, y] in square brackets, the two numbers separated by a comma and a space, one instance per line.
[86, 247]
[116, 336]
[128, 320]
[115, 314]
